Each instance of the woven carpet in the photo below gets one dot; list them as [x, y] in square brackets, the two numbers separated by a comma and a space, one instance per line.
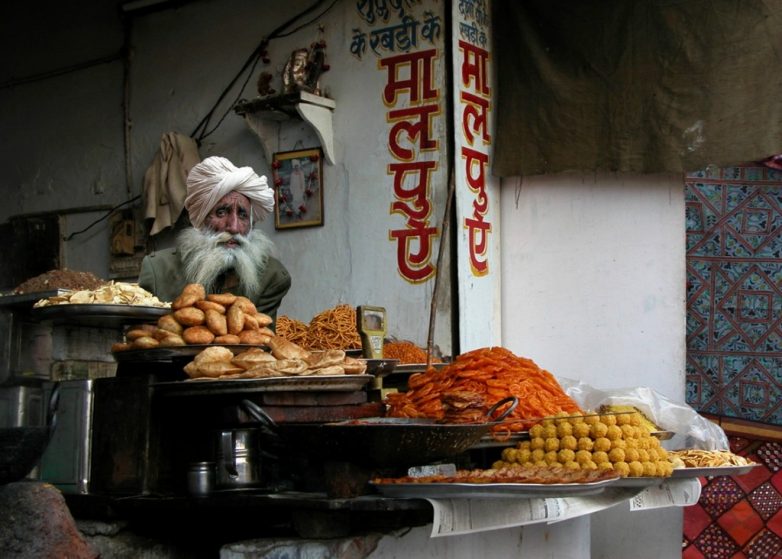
[739, 517]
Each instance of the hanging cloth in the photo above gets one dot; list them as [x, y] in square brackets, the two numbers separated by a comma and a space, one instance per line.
[165, 180]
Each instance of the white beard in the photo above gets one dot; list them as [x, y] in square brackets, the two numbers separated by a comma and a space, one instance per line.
[205, 256]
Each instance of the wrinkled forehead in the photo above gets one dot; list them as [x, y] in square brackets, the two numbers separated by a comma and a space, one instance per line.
[233, 199]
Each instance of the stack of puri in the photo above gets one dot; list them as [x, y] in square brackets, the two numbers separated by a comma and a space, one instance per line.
[198, 318]
[285, 359]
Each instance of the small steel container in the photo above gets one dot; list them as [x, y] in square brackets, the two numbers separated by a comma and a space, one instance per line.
[201, 478]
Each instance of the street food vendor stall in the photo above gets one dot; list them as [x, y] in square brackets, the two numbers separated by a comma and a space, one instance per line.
[582, 274]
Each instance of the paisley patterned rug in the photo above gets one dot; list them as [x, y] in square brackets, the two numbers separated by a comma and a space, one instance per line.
[739, 517]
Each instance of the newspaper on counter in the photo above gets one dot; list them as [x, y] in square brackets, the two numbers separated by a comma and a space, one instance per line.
[671, 493]
[453, 517]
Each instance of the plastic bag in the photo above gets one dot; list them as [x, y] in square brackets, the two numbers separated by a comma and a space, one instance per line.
[691, 430]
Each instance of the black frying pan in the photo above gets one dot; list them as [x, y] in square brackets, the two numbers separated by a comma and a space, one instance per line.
[386, 441]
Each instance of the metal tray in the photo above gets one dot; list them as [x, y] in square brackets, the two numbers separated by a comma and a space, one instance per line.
[642, 481]
[417, 367]
[713, 471]
[380, 367]
[27, 300]
[488, 441]
[199, 387]
[491, 490]
[184, 352]
[101, 315]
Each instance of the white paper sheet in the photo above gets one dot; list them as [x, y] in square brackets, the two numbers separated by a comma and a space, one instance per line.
[671, 493]
[465, 516]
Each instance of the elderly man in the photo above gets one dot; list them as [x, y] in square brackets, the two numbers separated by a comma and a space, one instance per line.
[222, 251]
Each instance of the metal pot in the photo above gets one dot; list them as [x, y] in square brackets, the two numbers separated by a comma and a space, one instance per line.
[22, 447]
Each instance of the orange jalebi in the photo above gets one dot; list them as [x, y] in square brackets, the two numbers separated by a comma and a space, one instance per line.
[493, 372]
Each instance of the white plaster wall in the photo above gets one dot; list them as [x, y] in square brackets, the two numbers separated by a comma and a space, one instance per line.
[64, 146]
[593, 288]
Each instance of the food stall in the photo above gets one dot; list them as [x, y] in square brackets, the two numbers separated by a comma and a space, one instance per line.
[369, 143]
[312, 440]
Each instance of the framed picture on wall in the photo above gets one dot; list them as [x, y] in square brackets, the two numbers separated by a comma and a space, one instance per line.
[298, 188]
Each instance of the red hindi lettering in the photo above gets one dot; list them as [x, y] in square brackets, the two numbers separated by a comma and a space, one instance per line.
[475, 109]
[414, 265]
[478, 231]
[419, 80]
[418, 194]
[475, 158]
[475, 67]
[415, 131]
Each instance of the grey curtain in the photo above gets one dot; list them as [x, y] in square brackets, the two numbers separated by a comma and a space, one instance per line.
[636, 85]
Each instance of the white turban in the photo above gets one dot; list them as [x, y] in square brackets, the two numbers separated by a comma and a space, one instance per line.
[215, 177]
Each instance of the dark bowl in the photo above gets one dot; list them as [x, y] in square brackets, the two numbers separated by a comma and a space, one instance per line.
[20, 450]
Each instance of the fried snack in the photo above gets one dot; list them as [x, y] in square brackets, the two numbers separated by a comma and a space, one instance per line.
[217, 369]
[235, 318]
[171, 340]
[263, 319]
[168, 322]
[291, 366]
[253, 337]
[325, 358]
[334, 329]
[111, 293]
[198, 335]
[225, 299]
[513, 474]
[190, 294]
[353, 366]
[210, 305]
[407, 352]
[261, 371]
[228, 339]
[144, 342]
[494, 373]
[189, 316]
[696, 458]
[215, 353]
[252, 358]
[119, 346]
[292, 330]
[159, 334]
[216, 322]
[283, 349]
[192, 370]
[250, 322]
[136, 333]
[246, 305]
[330, 370]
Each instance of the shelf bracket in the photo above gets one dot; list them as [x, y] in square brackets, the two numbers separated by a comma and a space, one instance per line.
[266, 116]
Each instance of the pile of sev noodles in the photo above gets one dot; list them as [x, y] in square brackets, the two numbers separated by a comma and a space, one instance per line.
[292, 330]
[334, 328]
[493, 372]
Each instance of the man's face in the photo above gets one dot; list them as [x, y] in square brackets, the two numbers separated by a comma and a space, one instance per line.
[230, 215]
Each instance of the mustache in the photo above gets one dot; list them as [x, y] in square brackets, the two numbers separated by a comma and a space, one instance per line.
[224, 237]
